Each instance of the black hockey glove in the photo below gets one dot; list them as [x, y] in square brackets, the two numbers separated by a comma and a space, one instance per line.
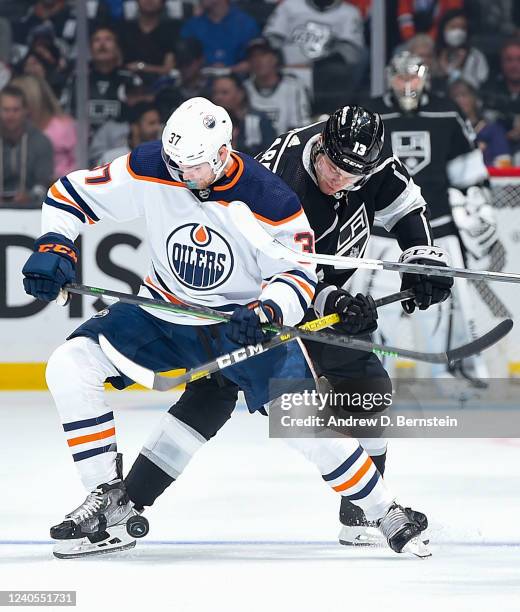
[428, 290]
[52, 265]
[245, 325]
[358, 314]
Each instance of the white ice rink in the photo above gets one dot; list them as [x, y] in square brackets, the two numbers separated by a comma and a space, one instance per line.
[251, 526]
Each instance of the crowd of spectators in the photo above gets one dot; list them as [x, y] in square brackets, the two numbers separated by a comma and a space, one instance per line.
[273, 64]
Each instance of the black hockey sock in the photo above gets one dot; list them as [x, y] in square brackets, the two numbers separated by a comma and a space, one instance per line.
[379, 462]
[350, 514]
[146, 482]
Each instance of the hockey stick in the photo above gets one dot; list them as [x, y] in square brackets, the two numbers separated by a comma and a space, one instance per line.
[268, 244]
[149, 379]
[209, 313]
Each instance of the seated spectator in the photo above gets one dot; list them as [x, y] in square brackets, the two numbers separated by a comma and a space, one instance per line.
[224, 31]
[308, 31]
[456, 58]
[55, 15]
[501, 94]
[414, 16]
[147, 42]
[190, 80]
[491, 137]
[144, 125]
[252, 130]
[26, 158]
[283, 97]
[108, 82]
[47, 115]
[44, 59]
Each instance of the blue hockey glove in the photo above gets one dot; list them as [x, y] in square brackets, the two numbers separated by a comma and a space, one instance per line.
[52, 265]
[428, 290]
[245, 326]
[358, 314]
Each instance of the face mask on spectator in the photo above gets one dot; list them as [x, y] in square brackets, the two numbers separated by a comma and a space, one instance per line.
[455, 37]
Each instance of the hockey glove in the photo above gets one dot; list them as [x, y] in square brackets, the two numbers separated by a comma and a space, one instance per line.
[358, 314]
[245, 326]
[52, 265]
[428, 290]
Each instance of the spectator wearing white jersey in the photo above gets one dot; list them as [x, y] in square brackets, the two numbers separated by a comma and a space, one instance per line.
[283, 97]
[311, 30]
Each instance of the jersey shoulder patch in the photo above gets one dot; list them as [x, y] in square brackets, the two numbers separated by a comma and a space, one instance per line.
[146, 161]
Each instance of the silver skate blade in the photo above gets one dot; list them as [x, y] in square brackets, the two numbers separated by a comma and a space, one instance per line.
[117, 541]
[417, 548]
[354, 535]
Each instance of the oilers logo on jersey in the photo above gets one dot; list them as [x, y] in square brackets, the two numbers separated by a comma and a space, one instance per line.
[199, 256]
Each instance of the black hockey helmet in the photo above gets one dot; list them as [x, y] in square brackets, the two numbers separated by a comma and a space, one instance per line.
[353, 139]
[323, 5]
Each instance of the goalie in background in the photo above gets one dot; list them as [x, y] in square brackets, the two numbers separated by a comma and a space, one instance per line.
[437, 146]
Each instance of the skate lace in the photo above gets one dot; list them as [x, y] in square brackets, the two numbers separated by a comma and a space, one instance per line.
[89, 507]
[393, 521]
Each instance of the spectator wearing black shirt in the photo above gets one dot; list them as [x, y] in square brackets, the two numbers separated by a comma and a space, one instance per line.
[148, 41]
[252, 130]
[26, 157]
[108, 82]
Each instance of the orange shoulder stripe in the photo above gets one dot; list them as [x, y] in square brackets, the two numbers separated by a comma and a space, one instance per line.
[152, 179]
[237, 176]
[305, 286]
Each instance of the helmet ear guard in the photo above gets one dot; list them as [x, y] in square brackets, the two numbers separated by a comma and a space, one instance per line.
[353, 140]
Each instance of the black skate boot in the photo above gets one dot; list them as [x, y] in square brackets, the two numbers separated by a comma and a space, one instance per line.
[105, 522]
[356, 530]
[402, 528]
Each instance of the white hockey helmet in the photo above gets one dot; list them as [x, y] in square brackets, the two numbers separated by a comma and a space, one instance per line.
[193, 135]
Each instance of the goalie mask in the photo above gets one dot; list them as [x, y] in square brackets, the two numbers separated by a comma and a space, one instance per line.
[407, 78]
[193, 135]
[353, 141]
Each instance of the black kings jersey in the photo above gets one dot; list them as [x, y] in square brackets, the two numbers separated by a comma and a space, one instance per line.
[343, 222]
[437, 146]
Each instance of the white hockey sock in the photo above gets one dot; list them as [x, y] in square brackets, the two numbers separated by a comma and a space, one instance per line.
[76, 372]
[347, 469]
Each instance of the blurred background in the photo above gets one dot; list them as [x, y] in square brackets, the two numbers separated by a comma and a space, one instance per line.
[82, 82]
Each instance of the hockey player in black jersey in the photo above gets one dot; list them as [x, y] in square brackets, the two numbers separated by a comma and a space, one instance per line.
[345, 174]
[436, 145]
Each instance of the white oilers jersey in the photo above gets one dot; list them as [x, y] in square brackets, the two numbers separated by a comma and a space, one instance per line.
[198, 255]
[287, 105]
[309, 34]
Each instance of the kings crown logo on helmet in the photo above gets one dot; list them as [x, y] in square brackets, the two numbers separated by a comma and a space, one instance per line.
[353, 140]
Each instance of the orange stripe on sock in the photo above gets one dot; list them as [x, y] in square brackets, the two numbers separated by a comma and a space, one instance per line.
[100, 435]
[356, 478]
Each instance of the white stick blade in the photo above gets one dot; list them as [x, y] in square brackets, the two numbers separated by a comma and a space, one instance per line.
[137, 373]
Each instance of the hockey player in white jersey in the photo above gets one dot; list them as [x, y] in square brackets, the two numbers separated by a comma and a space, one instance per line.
[436, 145]
[184, 188]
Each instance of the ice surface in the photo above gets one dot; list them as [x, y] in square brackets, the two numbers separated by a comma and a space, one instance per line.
[251, 526]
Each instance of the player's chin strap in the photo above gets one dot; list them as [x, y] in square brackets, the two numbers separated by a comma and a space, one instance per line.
[247, 224]
[308, 331]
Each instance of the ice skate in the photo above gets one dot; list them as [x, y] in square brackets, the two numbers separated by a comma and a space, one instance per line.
[402, 528]
[105, 522]
[356, 530]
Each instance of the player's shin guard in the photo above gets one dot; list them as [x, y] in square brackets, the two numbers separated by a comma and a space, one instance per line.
[162, 460]
[76, 373]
